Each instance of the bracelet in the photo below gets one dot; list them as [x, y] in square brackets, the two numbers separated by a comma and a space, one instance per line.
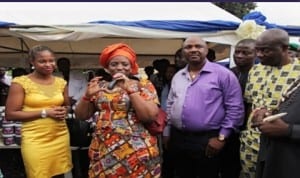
[133, 88]
[44, 113]
[86, 98]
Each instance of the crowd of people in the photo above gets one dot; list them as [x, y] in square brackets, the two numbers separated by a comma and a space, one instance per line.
[217, 126]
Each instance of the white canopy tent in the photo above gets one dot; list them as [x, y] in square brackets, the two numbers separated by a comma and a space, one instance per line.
[281, 13]
[66, 29]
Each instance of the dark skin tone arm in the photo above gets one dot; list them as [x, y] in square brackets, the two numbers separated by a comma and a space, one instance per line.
[15, 100]
[275, 128]
[214, 146]
[146, 111]
[85, 108]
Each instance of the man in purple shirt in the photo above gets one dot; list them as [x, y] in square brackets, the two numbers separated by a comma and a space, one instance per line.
[204, 107]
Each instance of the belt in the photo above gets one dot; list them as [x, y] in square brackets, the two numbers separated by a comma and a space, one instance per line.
[209, 133]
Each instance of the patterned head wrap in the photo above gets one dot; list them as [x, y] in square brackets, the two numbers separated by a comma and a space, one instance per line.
[119, 49]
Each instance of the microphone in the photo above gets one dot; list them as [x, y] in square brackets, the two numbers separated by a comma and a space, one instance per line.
[112, 84]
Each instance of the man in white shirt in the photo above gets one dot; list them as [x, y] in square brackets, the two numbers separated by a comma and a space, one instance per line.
[77, 81]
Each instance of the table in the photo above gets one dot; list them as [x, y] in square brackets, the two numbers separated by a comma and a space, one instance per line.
[15, 166]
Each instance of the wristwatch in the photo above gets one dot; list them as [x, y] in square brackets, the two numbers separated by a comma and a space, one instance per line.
[43, 113]
[221, 137]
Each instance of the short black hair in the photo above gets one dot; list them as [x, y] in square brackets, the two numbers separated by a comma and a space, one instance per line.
[211, 55]
[63, 59]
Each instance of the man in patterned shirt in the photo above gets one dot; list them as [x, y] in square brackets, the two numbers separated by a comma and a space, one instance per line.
[265, 85]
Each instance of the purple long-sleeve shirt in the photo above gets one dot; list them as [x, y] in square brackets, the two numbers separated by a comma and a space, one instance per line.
[212, 101]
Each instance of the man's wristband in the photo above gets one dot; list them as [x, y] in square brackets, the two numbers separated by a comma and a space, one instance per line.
[221, 138]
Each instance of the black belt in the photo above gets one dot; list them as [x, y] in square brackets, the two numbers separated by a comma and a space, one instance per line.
[210, 133]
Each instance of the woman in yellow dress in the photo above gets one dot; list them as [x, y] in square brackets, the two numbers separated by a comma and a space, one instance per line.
[40, 101]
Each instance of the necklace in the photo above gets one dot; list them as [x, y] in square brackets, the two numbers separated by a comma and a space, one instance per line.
[193, 75]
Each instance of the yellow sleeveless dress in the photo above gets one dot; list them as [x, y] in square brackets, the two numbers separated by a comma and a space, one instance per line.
[45, 141]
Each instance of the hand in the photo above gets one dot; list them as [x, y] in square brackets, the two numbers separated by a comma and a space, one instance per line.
[93, 87]
[258, 115]
[275, 128]
[129, 85]
[57, 112]
[213, 147]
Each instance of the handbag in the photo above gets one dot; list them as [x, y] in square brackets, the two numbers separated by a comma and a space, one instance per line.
[80, 132]
[157, 127]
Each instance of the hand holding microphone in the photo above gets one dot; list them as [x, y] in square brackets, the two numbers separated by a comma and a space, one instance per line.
[111, 84]
[116, 78]
[129, 85]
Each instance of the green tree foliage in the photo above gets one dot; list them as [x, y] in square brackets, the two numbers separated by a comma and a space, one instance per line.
[238, 9]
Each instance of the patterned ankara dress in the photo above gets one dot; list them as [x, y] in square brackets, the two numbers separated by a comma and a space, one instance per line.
[121, 146]
[264, 88]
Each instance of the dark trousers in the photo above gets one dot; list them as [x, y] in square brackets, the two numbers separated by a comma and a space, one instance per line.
[167, 168]
[230, 158]
[81, 162]
[187, 152]
[11, 163]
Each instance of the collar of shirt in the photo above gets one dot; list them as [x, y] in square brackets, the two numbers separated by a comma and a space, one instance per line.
[208, 67]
